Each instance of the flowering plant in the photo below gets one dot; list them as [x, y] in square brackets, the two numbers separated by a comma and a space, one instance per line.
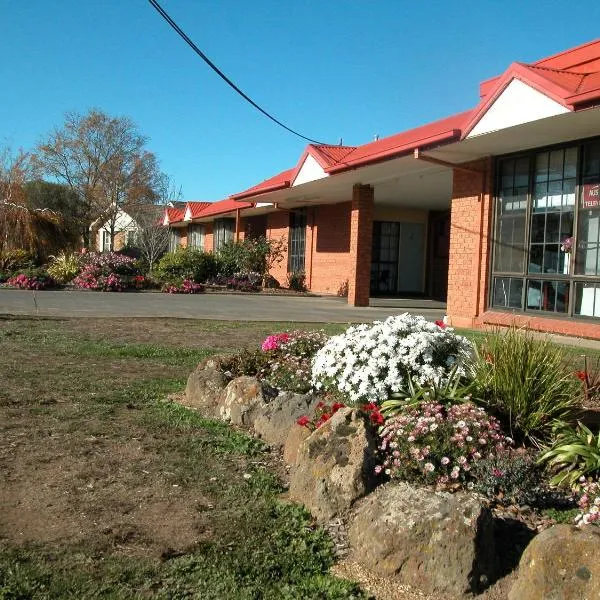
[29, 282]
[91, 278]
[433, 444]
[323, 413]
[187, 286]
[105, 263]
[368, 362]
[589, 503]
[290, 364]
[139, 282]
[567, 245]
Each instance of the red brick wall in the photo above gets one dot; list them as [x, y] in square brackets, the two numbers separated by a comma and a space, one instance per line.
[208, 237]
[277, 228]
[328, 259]
[469, 244]
[361, 236]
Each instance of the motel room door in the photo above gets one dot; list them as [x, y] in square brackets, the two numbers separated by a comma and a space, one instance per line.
[397, 258]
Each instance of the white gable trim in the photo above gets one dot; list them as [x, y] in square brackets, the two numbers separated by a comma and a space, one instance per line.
[310, 170]
[188, 214]
[519, 103]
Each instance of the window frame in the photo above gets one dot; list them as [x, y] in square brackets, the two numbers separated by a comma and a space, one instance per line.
[573, 279]
[221, 228]
[297, 240]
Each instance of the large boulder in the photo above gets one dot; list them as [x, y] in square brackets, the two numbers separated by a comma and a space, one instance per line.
[280, 414]
[295, 438]
[241, 401]
[335, 465]
[438, 542]
[204, 387]
[561, 563]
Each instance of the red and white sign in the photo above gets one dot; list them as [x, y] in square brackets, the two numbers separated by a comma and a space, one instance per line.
[590, 197]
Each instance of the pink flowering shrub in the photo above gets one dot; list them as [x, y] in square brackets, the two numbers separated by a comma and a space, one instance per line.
[91, 279]
[187, 286]
[289, 367]
[434, 444]
[589, 503]
[29, 282]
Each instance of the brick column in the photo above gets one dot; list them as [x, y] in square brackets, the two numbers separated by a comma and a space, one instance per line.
[361, 240]
[470, 222]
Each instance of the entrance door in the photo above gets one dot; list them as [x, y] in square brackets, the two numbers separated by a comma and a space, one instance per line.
[397, 258]
[411, 255]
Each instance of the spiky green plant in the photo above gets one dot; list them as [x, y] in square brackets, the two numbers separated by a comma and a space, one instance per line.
[454, 390]
[574, 454]
[522, 380]
[64, 267]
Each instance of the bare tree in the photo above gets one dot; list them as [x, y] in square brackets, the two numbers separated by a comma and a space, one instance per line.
[152, 237]
[103, 159]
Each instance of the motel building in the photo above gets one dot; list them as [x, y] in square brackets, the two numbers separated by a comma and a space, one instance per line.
[495, 210]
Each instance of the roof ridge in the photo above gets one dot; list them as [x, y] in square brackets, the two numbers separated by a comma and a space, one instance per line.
[565, 71]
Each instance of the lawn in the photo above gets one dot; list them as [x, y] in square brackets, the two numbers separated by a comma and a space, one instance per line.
[109, 490]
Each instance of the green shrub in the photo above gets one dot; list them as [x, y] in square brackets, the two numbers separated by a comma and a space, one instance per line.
[252, 255]
[64, 267]
[574, 454]
[296, 280]
[523, 382]
[248, 361]
[185, 263]
[13, 261]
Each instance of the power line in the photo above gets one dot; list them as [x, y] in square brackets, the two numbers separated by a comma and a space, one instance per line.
[220, 73]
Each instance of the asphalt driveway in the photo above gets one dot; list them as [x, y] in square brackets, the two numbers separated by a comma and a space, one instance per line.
[207, 306]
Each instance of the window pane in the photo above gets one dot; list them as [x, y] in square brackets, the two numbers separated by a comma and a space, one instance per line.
[541, 167]
[587, 299]
[507, 292]
[571, 162]
[555, 167]
[552, 296]
[591, 159]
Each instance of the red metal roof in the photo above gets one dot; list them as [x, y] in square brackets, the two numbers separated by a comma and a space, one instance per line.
[444, 130]
[222, 207]
[173, 215]
[196, 208]
[277, 182]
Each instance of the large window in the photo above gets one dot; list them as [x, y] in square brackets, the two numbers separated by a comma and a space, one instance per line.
[223, 232]
[541, 263]
[196, 236]
[297, 240]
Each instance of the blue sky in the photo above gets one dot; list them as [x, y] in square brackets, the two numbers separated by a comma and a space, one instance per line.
[329, 68]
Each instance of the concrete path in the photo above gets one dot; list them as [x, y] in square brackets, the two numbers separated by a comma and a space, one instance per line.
[207, 306]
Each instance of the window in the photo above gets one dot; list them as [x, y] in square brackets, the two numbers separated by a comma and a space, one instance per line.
[297, 240]
[105, 241]
[174, 240]
[223, 231]
[540, 263]
[196, 236]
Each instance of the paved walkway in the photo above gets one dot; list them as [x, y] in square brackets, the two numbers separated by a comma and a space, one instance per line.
[232, 307]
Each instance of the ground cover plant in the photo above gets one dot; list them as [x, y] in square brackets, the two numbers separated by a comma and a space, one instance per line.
[109, 491]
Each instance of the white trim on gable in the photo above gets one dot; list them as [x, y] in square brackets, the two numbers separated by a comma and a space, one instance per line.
[310, 170]
[519, 103]
[188, 214]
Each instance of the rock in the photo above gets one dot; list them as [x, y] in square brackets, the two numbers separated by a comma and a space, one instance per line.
[295, 438]
[561, 563]
[439, 542]
[335, 465]
[280, 414]
[205, 386]
[241, 400]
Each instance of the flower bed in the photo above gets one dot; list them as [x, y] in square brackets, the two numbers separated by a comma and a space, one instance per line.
[30, 282]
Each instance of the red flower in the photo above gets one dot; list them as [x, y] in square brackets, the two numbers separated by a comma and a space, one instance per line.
[369, 407]
[336, 406]
[441, 324]
[377, 418]
[581, 375]
[320, 405]
[303, 421]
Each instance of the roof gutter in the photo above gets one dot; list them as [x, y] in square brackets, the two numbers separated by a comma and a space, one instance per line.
[265, 190]
[402, 150]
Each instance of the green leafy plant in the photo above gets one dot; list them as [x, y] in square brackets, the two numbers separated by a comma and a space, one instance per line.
[248, 361]
[185, 263]
[296, 280]
[575, 454]
[454, 390]
[12, 261]
[522, 381]
[65, 266]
